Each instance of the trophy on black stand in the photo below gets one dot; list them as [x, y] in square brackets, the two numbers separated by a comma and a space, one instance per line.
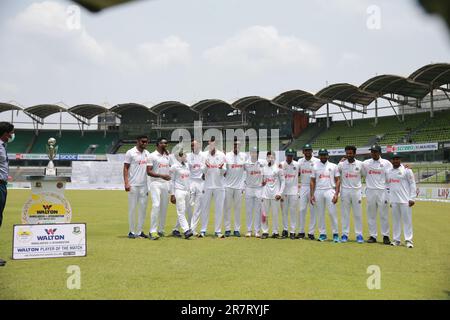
[52, 150]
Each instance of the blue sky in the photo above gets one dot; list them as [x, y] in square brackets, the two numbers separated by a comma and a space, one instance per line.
[189, 50]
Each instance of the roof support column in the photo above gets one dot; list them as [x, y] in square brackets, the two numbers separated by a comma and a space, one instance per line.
[351, 120]
[431, 104]
[376, 112]
[12, 116]
[328, 116]
[403, 113]
[104, 127]
[60, 123]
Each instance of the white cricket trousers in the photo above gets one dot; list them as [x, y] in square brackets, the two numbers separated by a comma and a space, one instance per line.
[182, 203]
[233, 200]
[351, 200]
[290, 203]
[196, 205]
[377, 200]
[253, 209]
[137, 197]
[267, 206]
[305, 202]
[160, 199]
[219, 197]
[324, 200]
[402, 213]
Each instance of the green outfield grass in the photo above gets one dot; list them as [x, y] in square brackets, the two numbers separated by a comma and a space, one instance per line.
[171, 268]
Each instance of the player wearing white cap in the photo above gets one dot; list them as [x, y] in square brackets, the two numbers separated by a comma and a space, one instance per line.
[234, 188]
[273, 187]
[159, 169]
[135, 180]
[213, 187]
[402, 194]
[377, 194]
[306, 165]
[253, 192]
[180, 191]
[196, 163]
[351, 193]
[289, 202]
[325, 185]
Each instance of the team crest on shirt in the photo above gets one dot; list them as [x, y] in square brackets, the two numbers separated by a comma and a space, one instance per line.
[357, 169]
[329, 169]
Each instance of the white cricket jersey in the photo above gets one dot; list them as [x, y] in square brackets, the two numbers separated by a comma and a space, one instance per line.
[306, 170]
[290, 177]
[375, 172]
[235, 175]
[160, 164]
[213, 175]
[138, 161]
[253, 177]
[179, 174]
[402, 185]
[274, 181]
[325, 174]
[196, 162]
[351, 174]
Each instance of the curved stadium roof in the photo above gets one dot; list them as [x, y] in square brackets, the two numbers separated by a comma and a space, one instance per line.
[87, 111]
[418, 85]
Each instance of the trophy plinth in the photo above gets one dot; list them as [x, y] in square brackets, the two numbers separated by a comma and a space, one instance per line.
[47, 203]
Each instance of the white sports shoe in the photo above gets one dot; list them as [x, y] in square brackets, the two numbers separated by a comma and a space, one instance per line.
[396, 243]
[257, 235]
[248, 234]
[409, 244]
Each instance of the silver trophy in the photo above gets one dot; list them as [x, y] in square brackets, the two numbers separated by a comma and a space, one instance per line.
[52, 150]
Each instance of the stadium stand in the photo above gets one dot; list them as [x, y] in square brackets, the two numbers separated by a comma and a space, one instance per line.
[389, 130]
[22, 142]
[71, 141]
[434, 129]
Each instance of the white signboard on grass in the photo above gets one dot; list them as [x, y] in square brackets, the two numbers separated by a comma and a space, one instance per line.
[49, 241]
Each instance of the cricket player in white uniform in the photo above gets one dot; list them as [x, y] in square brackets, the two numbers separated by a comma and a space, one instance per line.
[234, 188]
[306, 165]
[214, 188]
[402, 195]
[377, 194]
[196, 163]
[135, 179]
[290, 199]
[273, 187]
[159, 172]
[325, 186]
[180, 191]
[351, 193]
[253, 192]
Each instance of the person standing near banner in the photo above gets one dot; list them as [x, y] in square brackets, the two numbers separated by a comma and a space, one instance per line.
[214, 188]
[234, 188]
[290, 194]
[196, 164]
[325, 186]
[135, 179]
[402, 196]
[253, 192]
[180, 191]
[377, 194]
[159, 166]
[273, 187]
[6, 136]
[351, 194]
[306, 165]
